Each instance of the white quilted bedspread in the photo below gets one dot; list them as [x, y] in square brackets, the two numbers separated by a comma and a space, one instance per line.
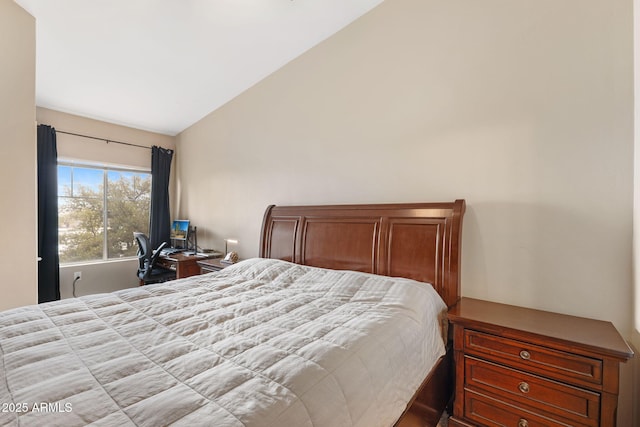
[261, 343]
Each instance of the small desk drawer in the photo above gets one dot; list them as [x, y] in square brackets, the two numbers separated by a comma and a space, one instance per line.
[537, 393]
[542, 360]
[487, 411]
[166, 264]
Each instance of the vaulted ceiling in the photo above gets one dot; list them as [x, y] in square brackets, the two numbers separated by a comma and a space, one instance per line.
[162, 65]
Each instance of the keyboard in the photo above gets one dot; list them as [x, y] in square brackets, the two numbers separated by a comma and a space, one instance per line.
[170, 251]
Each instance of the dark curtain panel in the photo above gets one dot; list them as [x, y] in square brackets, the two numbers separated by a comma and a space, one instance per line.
[160, 220]
[48, 267]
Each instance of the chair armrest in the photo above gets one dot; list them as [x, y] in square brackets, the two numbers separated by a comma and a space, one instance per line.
[156, 254]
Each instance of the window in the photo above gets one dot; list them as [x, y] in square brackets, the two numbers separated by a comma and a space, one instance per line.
[99, 208]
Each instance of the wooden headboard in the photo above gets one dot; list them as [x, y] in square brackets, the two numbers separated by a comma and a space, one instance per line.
[420, 241]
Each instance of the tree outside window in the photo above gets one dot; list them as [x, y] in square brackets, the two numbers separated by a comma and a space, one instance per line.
[99, 209]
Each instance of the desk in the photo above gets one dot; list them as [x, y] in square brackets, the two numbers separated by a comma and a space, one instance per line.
[184, 265]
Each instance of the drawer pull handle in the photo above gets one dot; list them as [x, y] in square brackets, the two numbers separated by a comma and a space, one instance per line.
[523, 387]
[523, 423]
[525, 355]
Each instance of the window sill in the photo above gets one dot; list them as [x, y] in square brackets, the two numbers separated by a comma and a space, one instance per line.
[98, 262]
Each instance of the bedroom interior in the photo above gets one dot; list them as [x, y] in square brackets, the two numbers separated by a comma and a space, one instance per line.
[525, 109]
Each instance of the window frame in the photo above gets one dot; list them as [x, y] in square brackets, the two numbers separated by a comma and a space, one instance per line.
[105, 168]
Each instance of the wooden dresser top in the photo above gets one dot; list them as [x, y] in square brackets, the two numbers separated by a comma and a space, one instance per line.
[588, 334]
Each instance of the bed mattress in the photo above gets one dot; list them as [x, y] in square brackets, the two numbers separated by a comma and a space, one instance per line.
[260, 343]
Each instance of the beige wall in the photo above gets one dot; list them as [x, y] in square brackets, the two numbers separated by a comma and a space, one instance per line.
[113, 275]
[634, 375]
[18, 253]
[525, 109]
[78, 148]
[636, 209]
[635, 336]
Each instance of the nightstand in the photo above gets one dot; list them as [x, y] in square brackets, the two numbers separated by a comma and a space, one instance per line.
[522, 367]
[211, 265]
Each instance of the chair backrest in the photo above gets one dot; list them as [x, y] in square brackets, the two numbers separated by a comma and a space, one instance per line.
[144, 249]
[146, 257]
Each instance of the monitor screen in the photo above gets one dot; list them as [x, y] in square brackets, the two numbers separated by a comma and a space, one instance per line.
[180, 229]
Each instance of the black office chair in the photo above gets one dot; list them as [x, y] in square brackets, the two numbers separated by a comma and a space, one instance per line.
[148, 271]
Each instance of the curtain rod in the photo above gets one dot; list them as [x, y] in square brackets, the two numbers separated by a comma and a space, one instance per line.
[103, 139]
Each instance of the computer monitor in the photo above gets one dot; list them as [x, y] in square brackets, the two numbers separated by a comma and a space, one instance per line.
[179, 230]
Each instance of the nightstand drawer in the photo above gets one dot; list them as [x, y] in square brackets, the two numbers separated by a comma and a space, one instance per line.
[541, 360]
[536, 393]
[491, 412]
[516, 366]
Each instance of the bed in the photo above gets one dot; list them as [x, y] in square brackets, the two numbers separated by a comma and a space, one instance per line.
[320, 330]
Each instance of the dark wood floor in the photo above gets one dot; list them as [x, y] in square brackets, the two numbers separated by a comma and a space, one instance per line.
[413, 420]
